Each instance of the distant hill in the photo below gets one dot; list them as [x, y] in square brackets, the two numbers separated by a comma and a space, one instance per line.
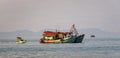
[30, 34]
[17, 33]
[99, 33]
[21, 33]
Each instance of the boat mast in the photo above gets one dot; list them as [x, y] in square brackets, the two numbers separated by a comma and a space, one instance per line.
[57, 28]
[73, 30]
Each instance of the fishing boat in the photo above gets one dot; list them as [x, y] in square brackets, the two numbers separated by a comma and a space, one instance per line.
[92, 36]
[62, 37]
[20, 40]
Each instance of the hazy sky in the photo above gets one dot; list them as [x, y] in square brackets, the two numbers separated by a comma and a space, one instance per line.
[41, 14]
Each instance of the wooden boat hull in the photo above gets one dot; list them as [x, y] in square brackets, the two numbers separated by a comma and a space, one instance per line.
[73, 39]
[79, 39]
[21, 42]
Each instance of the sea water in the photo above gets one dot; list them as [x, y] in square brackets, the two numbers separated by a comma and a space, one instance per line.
[90, 48]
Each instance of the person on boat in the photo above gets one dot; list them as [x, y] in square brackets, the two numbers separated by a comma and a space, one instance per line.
[18, 39]
[69, 34]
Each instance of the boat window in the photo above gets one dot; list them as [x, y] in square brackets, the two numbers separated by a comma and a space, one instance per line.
[49, 38]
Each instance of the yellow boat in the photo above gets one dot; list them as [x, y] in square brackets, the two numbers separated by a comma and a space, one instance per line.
[20, 40]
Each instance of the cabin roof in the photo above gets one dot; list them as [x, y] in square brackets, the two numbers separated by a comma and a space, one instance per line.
[50, 33]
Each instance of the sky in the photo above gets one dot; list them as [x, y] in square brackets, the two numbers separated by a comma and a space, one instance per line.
[36, 15]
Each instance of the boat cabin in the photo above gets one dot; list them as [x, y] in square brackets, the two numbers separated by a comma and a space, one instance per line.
[48, 35]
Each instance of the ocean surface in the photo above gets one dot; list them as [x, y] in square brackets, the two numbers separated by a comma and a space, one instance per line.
[90, 48]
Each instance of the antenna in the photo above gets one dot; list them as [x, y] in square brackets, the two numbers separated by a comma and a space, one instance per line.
[57, 28]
